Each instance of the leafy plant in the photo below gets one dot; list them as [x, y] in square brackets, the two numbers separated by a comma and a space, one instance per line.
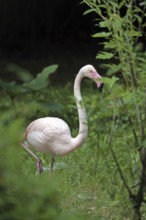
[121, 26]
[41, 82]
[15, 94]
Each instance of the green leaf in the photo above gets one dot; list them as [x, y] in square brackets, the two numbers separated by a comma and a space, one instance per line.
[121, 4]
[41, 80]
[88, 11]
[102, 34]
[104, 55]
[104, 24]
[110, 81]
[98, 10]
[109, 45]
[11, 87]
[127, 96]
[133, 33]
[138, 18]
[113, 68]
[22, 73]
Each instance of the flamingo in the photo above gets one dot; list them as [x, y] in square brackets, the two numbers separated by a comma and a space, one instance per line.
[52, 135]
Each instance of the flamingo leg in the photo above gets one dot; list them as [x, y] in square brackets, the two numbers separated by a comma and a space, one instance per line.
[52, 164]
[38, 160]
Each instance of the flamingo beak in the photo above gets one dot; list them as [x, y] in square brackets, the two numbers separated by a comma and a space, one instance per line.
[97, 78]
[101, 87]
[99, 83]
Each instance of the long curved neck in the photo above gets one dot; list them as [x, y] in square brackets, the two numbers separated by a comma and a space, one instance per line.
[83, 124]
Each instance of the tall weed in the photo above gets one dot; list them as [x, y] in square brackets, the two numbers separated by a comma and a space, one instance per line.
[121, 26]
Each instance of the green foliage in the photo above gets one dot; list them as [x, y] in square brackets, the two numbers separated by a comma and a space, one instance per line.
[121, 26]
[22, 74]
[38, 83]
[41, 82]
[23, 197]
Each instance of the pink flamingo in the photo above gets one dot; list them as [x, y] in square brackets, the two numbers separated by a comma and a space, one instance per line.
[52, 135]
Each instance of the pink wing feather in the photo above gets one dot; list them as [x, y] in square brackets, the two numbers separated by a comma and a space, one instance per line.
[49, 135]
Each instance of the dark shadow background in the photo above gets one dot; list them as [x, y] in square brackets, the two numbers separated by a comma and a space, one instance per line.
[35, 33]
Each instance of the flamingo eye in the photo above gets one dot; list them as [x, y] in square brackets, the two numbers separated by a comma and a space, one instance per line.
[93, 74]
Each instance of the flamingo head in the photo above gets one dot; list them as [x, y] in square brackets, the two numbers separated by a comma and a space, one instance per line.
[90, 72]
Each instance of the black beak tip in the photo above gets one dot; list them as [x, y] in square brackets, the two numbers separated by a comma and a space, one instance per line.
[101, 87]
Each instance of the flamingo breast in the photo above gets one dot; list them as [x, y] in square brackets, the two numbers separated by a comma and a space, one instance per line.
[49, 135]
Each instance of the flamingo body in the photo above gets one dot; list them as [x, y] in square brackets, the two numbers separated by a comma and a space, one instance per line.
[49, 135]
[52, 135]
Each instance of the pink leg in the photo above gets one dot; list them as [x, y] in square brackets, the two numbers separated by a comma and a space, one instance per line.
[38, 160]
[52, 163]
[40, 166]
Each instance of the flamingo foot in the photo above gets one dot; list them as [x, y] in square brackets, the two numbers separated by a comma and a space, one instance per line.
[40, 167]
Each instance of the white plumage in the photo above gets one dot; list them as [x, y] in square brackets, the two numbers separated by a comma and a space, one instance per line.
[52, 135]
[49, 135]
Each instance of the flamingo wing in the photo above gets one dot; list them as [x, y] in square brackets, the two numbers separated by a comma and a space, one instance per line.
[49, 135]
